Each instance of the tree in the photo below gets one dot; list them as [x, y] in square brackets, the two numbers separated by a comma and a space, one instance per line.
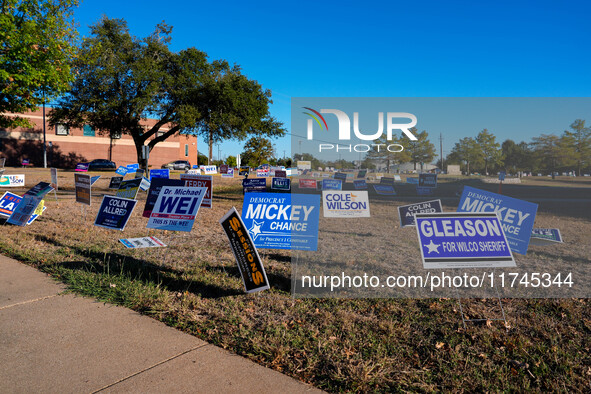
[231, 161]
[257, 151]
[550, 150]
[381, 153]
[422, 150]
[37, 46]
[578, 144]
[517, 157]
[490, 148]
[468, 151]
[315, 163]
[233, 107]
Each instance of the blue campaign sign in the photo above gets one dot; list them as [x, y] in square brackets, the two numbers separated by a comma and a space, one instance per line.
[545, 236]
[121, 170]
[281, 184]
[132, 167]
[360, 184]
[114, 212]
[407, 212]
[384, 190]
[94, 179]
[341, 175]
[282, 221]
[332, 184]
[517, 216]
[428, 180]
[164, 173]
[176, 208]
[424, 191]
[412, 181]
[8, 203]
[502, 175]
[462, 240]
[254, 185]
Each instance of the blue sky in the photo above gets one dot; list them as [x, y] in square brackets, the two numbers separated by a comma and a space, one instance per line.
[379, 49]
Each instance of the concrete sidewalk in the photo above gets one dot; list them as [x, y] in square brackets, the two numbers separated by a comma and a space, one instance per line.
[52, 342]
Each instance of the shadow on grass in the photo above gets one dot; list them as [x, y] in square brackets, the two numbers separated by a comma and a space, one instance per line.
[138, 269]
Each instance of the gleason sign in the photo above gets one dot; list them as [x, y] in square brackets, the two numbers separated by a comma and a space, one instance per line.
[462, 240]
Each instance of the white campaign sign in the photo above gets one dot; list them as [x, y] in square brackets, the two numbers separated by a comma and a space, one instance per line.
[345, 204]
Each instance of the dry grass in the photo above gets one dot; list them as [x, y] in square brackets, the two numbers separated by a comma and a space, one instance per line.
[335, 344]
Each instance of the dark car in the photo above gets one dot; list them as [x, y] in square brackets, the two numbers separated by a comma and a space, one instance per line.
[101, 164]
[178, 165]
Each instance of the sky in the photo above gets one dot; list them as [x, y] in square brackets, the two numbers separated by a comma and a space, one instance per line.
[379, 49]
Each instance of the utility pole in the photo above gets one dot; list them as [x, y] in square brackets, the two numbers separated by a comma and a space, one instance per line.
[44, 136]
[441, 149]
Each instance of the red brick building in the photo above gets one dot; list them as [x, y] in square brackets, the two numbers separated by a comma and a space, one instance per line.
[67, 147]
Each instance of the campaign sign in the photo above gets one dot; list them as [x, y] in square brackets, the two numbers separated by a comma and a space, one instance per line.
[502, 175]
[282, 221]
[115, 182]
[224, 169]
[428, 180]
[386, 181]
[24, 210]
[129, 188]
[332, 184]
[412, 181]
[139, 173]
[82, 184]
[462, 240]
[245, 170]
[144, 242]
[254, 185]
[263, 173]
[307, 184]
[12, 180]
[114, 212]
[155, 187]
[193, 171]
[545, 236]
[360, 184]
[229, 173]
[517, 216]
[132, 167]
[341, 175]
[407, 212]
[82, 167]
[8, 203]
[176, 208]
[280, 174]
[281, 184]
[144, 184]
[246, 254]
[40, 189]
[54, 177]
[397, 178]
[424, 191]
[200, 181]
[345, 204]
[94, 179]
[121, 170]
[362, 174]
[209, 170]
[384, 190]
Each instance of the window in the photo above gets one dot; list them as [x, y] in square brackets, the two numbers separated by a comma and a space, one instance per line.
[186, 150]
[88, 131]
[61, 129]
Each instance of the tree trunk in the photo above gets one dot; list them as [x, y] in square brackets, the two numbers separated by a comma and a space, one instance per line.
[210, 142]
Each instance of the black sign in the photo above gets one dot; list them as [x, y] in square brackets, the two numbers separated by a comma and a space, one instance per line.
[40, 189]
[386, 181]
[341, 175]
[361, 174]
[407, 212]
[244, 170]
[248, 259]
[155, 187]
[428, 180]
[115, 182]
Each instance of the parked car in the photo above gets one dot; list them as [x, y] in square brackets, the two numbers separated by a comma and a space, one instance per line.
[101, 164]
[178, 165]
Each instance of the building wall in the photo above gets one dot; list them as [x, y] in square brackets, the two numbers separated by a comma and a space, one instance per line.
[65, 151]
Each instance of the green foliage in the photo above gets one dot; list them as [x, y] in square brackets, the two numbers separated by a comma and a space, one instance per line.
[37, 47]
[377, 157]
[257, 151]
[231, 161]
[577, 144]
[466, 151]
[489, 148]
[422, 150]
